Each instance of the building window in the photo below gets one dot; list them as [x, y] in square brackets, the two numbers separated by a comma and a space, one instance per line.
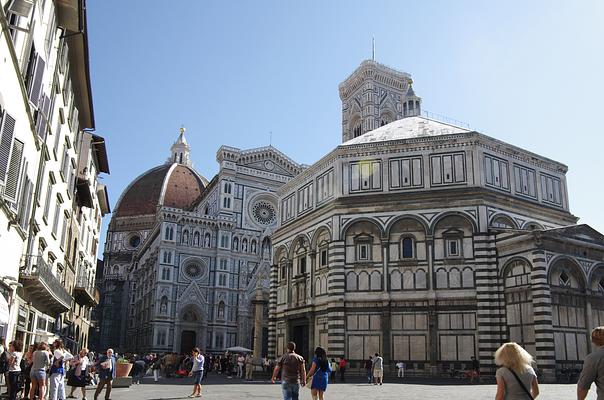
[363, 251]
[407, 247]
[453, 247]
[224, 241]
[323, 258]
[226, 202]
[283, 268]
[169, 233]
[223, 264]
[222, 280]
[356, 132]
[564, 279]
[165, 274]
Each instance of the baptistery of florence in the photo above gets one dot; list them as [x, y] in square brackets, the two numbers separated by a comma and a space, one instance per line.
[430, 243]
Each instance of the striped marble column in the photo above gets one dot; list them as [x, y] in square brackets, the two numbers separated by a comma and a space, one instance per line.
[542, 317]
[272, 309]
[490, 314]
[336, 284]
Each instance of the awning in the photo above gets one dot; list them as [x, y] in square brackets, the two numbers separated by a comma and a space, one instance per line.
[3, 310]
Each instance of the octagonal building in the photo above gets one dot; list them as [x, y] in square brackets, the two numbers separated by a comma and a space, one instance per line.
[430, 243]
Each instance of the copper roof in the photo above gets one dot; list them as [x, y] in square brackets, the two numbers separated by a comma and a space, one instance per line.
[183, 187]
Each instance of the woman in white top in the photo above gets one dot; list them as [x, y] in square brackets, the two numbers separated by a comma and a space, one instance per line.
[14, 367]
[78, 375]
[516, 379]
[197, 372]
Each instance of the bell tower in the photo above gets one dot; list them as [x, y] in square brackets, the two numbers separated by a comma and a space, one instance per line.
[375, 95]
[180, 150]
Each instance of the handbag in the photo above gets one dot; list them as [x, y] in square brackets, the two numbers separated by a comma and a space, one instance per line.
[309, 378]
[521, 384]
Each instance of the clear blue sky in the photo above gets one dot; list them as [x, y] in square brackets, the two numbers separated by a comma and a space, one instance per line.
[530, 73]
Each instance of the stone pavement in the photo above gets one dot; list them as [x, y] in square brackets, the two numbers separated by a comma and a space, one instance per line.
[220, 388]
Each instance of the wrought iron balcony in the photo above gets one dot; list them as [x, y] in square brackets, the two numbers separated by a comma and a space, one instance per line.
[42, 287]
[85, 293]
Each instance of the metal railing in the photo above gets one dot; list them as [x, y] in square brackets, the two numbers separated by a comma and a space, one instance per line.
[37, 268]
[85, 284]
[441, 118]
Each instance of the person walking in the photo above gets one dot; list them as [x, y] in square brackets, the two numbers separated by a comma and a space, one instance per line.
[378, 369]
[319, 371]
[57, 372]
[197, 372]
[15, 355]
[293, 373]
[40, 362]
[334, 368]
[140, 368]
[342, 368]
[106, 368]
[593, 367]
[78, 376]
[156, 367]
[475, 371]
[240, 365]
[516, 379]
[369, 369]
[26, 371]
[401, 369]
[249, 367]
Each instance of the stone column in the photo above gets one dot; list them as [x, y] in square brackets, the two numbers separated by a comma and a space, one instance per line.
[259, 303]
[272, 308]
[336, 282]
[542, 317]
[313, 267]
[490, 301]
[385, 259]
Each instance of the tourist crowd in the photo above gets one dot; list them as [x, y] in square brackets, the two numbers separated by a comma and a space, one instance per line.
[44, 370]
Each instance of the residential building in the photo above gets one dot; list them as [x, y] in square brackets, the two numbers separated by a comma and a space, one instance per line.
[46, 113]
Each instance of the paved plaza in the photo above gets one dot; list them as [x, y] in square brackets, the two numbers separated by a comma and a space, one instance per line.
[228, 389]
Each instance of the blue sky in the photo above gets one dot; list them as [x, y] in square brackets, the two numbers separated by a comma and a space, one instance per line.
[528, 73]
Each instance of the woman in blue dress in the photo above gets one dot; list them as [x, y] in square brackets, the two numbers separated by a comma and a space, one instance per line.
[319, 372]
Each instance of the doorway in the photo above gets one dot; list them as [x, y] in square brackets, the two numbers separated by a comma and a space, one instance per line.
[187, 341]
[300, 338]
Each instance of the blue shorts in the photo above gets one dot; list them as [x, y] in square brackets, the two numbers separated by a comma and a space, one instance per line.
[38, 375]
[197, 376]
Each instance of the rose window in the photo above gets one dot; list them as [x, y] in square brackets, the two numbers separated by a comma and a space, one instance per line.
[193, 271]
[264, 213]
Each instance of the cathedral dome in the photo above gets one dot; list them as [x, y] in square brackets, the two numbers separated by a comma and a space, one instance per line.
[171, 185]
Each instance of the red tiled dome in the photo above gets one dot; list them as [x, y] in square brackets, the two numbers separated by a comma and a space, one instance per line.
[171, 185]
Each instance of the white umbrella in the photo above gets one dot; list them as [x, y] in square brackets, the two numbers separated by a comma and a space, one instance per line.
[239, 349]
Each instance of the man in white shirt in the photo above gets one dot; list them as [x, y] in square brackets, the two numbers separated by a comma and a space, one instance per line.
[401, 369]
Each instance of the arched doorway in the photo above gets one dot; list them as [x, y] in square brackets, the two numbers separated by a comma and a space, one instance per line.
[191, 331]
[188, 340]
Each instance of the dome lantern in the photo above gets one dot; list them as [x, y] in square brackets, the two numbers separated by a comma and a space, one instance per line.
[180, 150]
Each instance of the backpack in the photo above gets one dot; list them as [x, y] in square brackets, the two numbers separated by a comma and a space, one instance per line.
[3, 363]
